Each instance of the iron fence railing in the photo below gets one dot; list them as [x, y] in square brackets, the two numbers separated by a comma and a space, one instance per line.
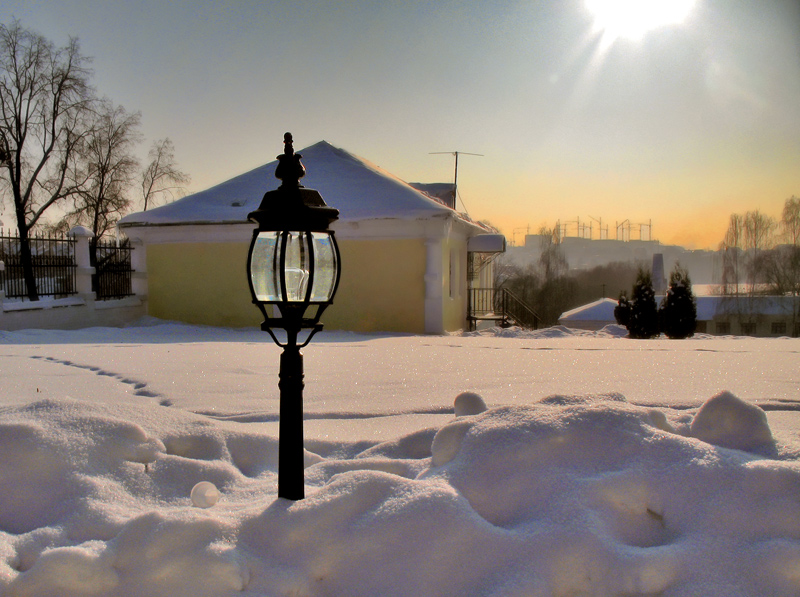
[500, 305]
[113, 271]
[54, 267]
[519, 311]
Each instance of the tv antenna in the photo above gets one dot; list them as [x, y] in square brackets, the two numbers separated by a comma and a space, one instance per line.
[455, 176]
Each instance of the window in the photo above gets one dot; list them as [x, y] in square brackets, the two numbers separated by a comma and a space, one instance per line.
[723, 327]
[748, 329]
[701, 327]
[779, 328]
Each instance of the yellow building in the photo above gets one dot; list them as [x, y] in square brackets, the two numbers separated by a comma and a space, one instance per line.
[406, 256]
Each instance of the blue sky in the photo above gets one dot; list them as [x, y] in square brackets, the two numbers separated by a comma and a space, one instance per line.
[684, 125]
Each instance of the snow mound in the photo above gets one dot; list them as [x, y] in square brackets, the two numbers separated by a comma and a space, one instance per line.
[728, 421]
[614, 331]
[573, 495]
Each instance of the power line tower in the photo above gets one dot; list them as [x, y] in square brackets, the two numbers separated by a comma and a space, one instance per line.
[624, 230]
[646, 226]
[455, 176]
[600, 226]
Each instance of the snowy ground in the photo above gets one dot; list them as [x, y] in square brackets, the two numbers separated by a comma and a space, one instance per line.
[594, 470]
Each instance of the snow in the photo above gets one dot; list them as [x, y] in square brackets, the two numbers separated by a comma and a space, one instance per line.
[599, 310]
[357, 188]
[142, 461]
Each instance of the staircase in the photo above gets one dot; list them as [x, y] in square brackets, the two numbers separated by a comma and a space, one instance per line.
[502, 306]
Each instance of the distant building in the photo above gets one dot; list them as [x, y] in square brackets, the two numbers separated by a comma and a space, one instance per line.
[763, 316]
[583, 254]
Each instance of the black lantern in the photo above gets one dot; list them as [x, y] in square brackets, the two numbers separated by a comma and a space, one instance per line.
[293, 268]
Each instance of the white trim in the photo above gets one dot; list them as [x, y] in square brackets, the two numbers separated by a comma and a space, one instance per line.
[434, 286]
[379, 229]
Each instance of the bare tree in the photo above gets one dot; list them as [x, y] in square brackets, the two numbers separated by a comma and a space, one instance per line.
[552, 261]
[44, 99]
[743, 250]
[759, 238]
[782, 264]
[105, 170]
[731, 250]
[557, 288]
[746, 256]
[790, 222]
[162, 179]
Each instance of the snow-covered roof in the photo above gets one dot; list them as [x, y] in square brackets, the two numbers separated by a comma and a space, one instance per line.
[710, 306]
[599, 310]
[359, 189]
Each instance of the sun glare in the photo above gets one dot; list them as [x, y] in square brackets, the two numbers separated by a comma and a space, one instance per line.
[631, 19]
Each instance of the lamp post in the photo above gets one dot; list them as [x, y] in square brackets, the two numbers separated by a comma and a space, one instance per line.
[293, 268]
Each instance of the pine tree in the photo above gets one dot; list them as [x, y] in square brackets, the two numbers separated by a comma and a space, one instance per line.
[644, 315]
[622, 312]
[677, 314]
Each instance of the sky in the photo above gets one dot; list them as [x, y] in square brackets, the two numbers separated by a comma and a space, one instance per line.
[681, 125]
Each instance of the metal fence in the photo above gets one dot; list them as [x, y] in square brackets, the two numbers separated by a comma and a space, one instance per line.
[54, 266]
[112, 278]
[500, 305]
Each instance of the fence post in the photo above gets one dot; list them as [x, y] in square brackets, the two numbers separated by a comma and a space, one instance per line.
[139, 267]
[2, 286]
[83, 275]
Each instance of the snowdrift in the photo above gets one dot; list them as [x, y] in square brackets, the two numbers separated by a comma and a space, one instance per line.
[571, 495]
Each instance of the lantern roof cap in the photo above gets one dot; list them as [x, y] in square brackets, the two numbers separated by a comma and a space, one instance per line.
[291, 206]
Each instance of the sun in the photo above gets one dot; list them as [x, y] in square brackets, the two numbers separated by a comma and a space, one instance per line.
[631, 19]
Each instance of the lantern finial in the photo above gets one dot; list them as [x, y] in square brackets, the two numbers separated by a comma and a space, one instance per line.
[290, 170]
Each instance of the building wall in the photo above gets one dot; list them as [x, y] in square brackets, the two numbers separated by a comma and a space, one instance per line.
[762, 326]
[201, 283]
[382, 286]
[397, 275]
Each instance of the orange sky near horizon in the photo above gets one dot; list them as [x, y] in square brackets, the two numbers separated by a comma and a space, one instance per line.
[687, 212]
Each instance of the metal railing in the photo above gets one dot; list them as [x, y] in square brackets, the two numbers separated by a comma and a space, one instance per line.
[518, 311]
[500, 305]
[113, 272]
[54, 267]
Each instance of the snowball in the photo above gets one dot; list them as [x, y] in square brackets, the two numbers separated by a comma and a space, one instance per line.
[205, 494]
[469, 403]
[728, 421]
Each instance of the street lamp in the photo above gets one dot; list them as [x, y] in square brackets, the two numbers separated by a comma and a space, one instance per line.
[293, 268]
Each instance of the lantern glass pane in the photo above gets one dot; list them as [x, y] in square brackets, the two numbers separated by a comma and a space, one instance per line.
[297, 265]
[264, 267]
[325, 267]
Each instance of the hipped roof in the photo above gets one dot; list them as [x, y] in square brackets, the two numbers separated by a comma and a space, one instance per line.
[599, 310]
[357, 188]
